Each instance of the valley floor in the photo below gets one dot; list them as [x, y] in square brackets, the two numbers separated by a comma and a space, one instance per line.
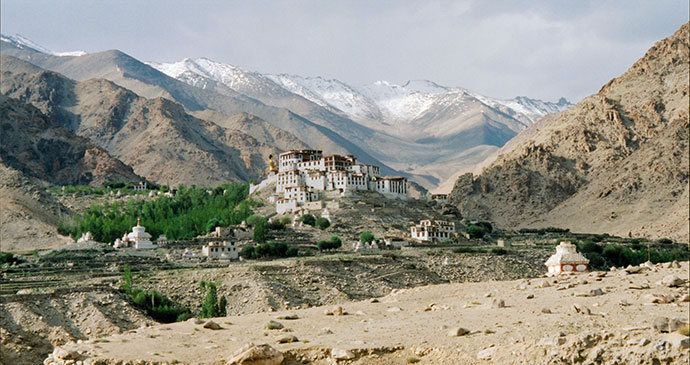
[600, 317]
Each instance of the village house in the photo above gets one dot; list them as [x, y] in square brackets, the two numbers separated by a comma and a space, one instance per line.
[220, 251]
[431, 231]
[303, 173]
[567, 260]
[441, 198]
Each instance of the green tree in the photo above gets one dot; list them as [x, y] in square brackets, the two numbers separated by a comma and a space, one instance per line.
[248, 252]
[308, 219]
[476, 231]
[127, 278]
[260, 230]
[210, 306]
[366, 237]
[323, 223]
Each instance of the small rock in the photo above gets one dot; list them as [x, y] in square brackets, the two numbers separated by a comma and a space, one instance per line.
[373, 300]
[671, 281]
[394, 309]
[342, 354]
[338, 311]
[546, 310]
[256, 354]
[287, 339]
[551, 341]
[685, 298]
[544, 284]
[212, 325]
[198, 321]
[273, 325]
[643, 342]
[658, 298]
[326, 331]
[632, 269]
[596, 292]
[486, 353]
[458, 331]
[530, 296]
[498, 303]
[678, 340]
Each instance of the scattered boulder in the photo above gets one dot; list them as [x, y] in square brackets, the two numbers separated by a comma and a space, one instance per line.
[546, 310]
[663, 324]
[671, 281]
[287, 339]
[273, 325]
[212, 325]
[544, 284]
[64, 354]
[530, 296]
[551, 341]
[338, 311]
[458, 331]
[251, 354]
[678, 340]
[596, 292]
[342, 354]
[498, 303]
[658, 298]
[394, 309]
[486, 353]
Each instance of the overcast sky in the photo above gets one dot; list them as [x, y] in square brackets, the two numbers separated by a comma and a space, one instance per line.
[542, 49]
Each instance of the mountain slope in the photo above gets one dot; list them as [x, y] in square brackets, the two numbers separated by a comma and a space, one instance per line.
[148, 82]
[40, 147]
[154, 136]
[616, 162]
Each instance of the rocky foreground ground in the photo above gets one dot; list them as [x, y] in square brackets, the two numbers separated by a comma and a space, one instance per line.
[620, 316]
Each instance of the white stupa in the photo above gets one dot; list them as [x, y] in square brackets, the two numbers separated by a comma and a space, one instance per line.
[139, 238]
[566, 259]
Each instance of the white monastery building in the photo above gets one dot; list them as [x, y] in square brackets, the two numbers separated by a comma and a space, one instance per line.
[430, 230]
[566, 259]
[301, 174]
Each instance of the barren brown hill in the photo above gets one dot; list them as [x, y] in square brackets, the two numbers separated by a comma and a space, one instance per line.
[28, 215]
[616, 162]
[155, 136]
[40, 147]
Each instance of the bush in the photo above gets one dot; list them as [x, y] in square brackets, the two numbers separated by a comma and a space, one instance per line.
[366, 237]
[488, 228]
[498, 251]
[589, 246]
[213, 223]
[323, 223]
[308, 219]
[8, 258]
[476, 231]
[307, 252]
[665, 241]
[292, 252]
[248, 252]
[595, 260]
[332, 244]
[154, 303]
[285, 221]
[253, 219]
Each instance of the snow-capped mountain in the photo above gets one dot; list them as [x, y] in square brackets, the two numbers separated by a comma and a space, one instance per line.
[382, 102]
[23, 42]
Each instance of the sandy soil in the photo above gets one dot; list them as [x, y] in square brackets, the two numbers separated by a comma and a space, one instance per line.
[414, 323]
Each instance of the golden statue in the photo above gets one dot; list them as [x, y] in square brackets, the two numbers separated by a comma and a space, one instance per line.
[272, 167]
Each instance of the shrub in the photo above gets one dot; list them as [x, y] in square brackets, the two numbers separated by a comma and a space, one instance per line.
[154, 303]
[331, 244]
[595, 260]
[276, 226]
[486, 225]
[308, 252]
[498, 251]
[366, 237]
[213, 223]
[248, 252]
[285, 221]
[665, 241]
[291, 252]
[253, 219]
[589, 246]
[476, 231]
[260, 230]
[308, 219]
[323, 223]
[8, 258]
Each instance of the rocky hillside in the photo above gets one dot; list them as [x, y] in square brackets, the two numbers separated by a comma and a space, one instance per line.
[155, 136]
[28, 214]
[41, 147]
[616, 162]
[148, 82]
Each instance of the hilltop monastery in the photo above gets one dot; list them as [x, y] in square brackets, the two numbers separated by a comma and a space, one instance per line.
[301, 174]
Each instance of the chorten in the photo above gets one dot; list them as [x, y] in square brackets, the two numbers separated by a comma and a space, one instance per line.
[567, 259]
